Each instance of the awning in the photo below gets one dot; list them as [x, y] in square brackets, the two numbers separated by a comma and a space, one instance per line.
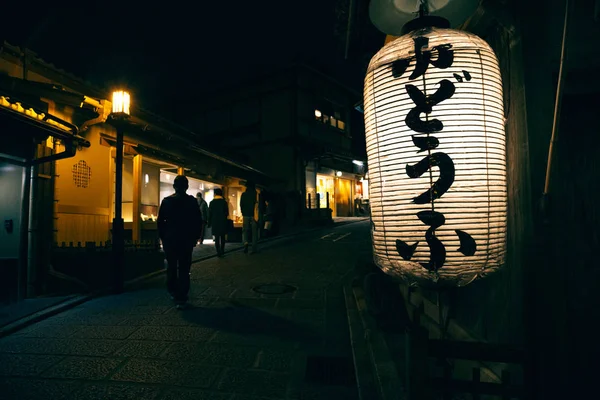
[45, 123]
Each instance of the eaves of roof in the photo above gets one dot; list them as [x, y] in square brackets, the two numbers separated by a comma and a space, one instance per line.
[142, 117]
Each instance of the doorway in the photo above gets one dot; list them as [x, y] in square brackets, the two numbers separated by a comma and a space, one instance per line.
[343, 198]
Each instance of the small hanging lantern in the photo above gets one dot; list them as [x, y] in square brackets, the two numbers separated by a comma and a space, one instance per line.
[435, 139]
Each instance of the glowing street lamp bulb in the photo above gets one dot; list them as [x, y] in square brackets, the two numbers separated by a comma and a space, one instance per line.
[318, 114]
[121, 102]
[339, 173]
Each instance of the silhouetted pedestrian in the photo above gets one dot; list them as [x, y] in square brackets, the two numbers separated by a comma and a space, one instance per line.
[204, 211]
[179, 223]
[250, 215]
[268, 218]
[218, 211]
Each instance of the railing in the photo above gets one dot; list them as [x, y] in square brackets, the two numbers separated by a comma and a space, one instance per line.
[130, 245]
[447, 352]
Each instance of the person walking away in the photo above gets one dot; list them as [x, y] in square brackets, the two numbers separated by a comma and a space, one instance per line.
[204, 211]
[218, 211]
[249, 206]
[179, 223]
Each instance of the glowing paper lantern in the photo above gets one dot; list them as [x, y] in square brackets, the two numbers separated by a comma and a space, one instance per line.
[435, 140]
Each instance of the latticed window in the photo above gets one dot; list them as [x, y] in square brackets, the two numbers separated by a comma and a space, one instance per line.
[82, 174]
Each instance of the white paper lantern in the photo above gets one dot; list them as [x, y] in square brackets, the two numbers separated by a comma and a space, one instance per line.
[434, 122]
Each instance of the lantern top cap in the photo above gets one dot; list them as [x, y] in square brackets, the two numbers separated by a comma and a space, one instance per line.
[389, 16]
[425, 21]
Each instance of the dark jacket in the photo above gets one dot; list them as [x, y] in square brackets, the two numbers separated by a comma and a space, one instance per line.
[247, 202]
[203, 209]
[218, 211]
[179, 220]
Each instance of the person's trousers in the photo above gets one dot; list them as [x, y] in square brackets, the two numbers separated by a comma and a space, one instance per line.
[179, 262]
[220, 243]
[250, 224]
[202, 230]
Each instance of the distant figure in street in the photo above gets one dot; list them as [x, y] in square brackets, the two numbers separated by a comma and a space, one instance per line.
[218, 211]
[269, 217]
[249, 206]
[358, 210]
[204, 211]
[179, 223]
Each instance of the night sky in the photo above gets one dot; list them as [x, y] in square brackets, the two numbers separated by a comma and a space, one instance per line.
[171, 55]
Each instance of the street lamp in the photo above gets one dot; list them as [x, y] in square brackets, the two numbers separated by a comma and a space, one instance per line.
[120, 114]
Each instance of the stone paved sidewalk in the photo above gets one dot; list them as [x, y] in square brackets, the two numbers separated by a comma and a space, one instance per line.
[233, 343]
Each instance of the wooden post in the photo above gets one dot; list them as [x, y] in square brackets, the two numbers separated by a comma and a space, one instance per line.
[505, 383]
[476, 380]
[418, 354]
[309, 202]
[137, 198]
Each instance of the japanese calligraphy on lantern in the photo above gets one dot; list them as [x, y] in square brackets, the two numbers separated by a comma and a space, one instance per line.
[436, 155]
[424, 104]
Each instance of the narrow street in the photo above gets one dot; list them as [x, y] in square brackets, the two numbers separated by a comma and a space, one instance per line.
[233, 343]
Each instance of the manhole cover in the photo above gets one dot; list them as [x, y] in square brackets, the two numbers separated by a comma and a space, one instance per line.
[274, 288]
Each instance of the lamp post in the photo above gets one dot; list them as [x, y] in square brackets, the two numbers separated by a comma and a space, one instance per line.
[119, 115]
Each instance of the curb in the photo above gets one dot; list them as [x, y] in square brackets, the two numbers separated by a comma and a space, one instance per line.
[42, 314]
[365, 382]
[375, 353]
[77, 300]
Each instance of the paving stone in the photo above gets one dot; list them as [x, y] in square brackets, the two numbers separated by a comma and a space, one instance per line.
[104, 332]
[182, 333]
[276, 385]
[213, 354]
[232, 338]
[115, 391]
[26, 364]
[82, 347]
[167, 372]
[87, 319]
[317, 392]
[276, 360]
[258, 383]
[141, 349]
[301, 303]
[144, 310]
[251, 397]
[181, 394]
[50, 331]
[240, 301]
[242, 380]
[141, 320]
[92, 368]
[26, 389]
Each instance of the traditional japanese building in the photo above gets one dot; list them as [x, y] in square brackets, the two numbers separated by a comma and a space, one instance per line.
[58, 177]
